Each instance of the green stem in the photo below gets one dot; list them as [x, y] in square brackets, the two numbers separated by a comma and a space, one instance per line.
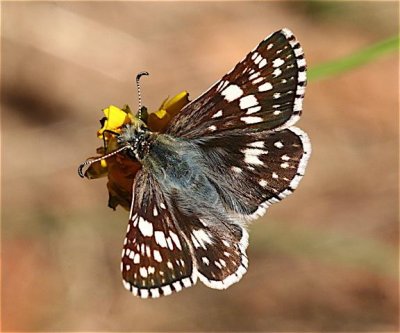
[354, 60]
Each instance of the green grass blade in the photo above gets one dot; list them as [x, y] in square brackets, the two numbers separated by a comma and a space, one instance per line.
[354, 60]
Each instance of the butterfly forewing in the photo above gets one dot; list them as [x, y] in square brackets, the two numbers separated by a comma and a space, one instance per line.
[166, 249]
[263, 92]
[156, 260]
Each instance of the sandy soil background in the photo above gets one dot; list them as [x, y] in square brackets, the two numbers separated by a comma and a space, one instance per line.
[324, 259]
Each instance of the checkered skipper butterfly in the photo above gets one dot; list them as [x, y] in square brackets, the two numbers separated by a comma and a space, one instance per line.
[222, 160]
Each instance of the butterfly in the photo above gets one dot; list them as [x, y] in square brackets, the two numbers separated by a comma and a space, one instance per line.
[218, 164]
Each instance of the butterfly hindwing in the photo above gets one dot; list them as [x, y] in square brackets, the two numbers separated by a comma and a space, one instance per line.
[263, 92]
[218, 246]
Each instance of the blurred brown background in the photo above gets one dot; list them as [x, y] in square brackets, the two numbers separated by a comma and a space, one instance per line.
[324, 259]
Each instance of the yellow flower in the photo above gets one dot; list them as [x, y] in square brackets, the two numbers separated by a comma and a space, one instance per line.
[114, 119]
[159, 120]
[120, 169]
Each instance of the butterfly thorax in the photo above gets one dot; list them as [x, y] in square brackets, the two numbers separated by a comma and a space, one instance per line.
[178, 166]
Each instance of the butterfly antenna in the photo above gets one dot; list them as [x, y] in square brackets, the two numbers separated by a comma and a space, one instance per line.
[91, 161]
[140, 74]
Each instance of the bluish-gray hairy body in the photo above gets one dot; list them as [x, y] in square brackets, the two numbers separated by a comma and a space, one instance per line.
[181, 170]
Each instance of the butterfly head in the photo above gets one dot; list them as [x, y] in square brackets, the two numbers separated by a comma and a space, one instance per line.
[136, 138]
[133, 140]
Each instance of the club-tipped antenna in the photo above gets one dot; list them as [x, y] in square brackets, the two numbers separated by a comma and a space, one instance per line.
[94, 160]
[140, 74]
